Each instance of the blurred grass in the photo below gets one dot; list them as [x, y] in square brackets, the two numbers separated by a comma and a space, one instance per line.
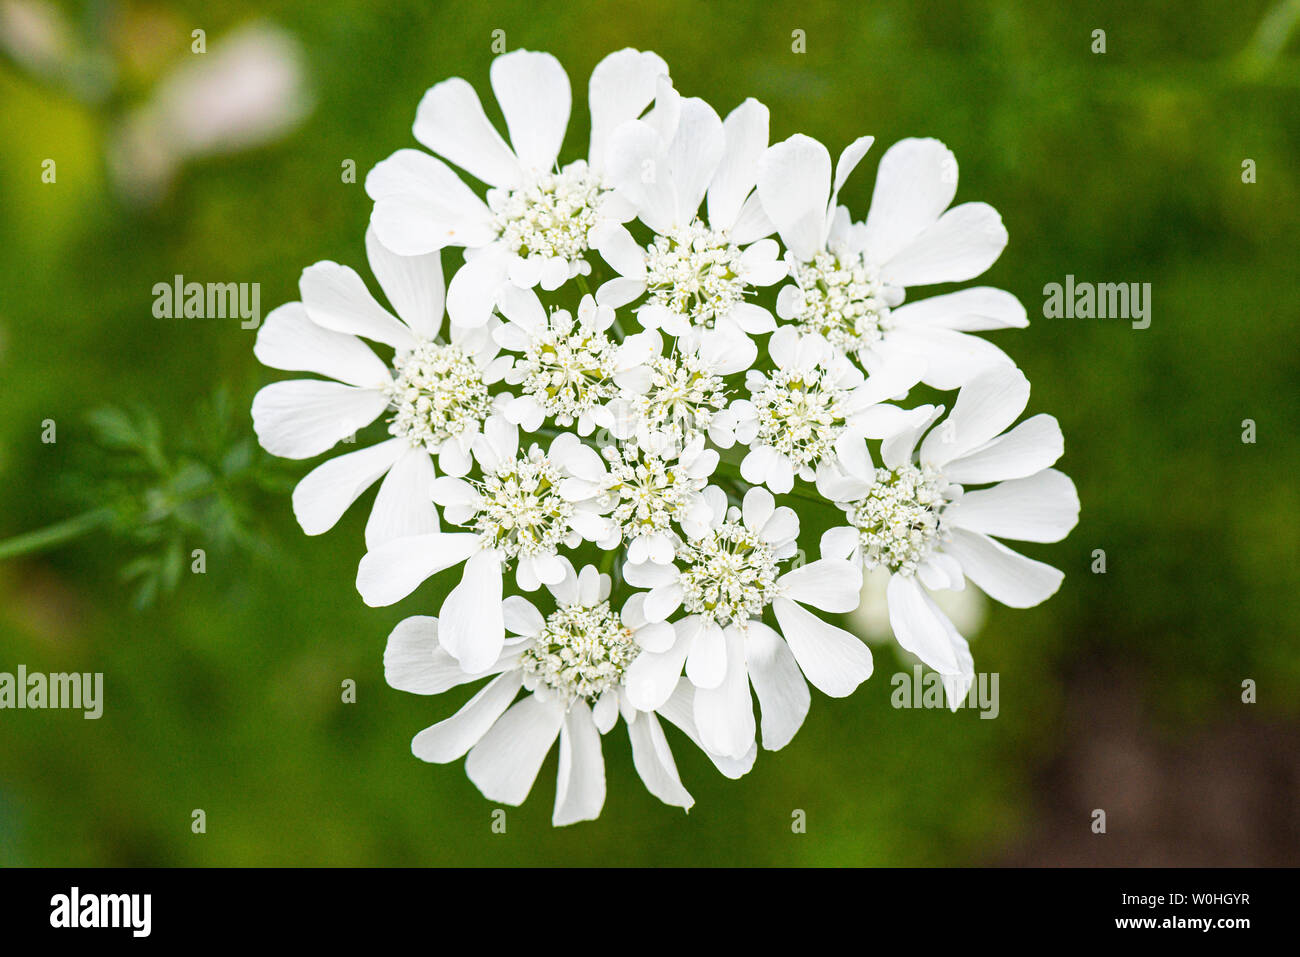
[1116, 167]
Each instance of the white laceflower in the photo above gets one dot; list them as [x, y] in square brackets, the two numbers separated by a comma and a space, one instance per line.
[697, 272]
[914, 515]
[534, 227]
[520, 513]
[652, 487]
[796, 413]
[849, 280]
[716, 604]
[727, 573]
[572, 664]
[682, 395]
[436, 390]
[570, 367]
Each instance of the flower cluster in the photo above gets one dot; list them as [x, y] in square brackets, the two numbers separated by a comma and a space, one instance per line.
[599, 426]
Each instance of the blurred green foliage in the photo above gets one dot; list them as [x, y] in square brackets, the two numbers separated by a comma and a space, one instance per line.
[1118, 167]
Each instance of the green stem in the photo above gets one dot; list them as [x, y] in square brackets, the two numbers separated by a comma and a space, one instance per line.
[54, 535]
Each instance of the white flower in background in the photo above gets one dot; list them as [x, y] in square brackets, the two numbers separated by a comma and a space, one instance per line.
[849, 280]
[652, 486]
[570, 367]
[571, 664]
[913, 515]
[437, 391]
[796, 413]
[695, 275]
[250, 89]
[521, 512]
[534, 227]
[726, 574]
[682, 395]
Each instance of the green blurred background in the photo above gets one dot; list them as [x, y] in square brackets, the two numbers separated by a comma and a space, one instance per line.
[1122, 693]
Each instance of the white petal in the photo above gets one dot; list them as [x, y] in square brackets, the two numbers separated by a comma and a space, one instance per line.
[1040, 508]
[289, 340]
[655, 636]
[794, 183]
[327, 491]
[839, 542]
[968, 310]
[680, 710]
[1030, 447]
[849, 159]
[753, 222]
[605, 713]
[706, 665]
[663, 601]
[651, 678]
[919, 625]
[421, 205]
[725, 715]
[831, 584]
[304, 417]
[580, 783]
[621, 87]
[745, 135]
[403, 507]
[451, 122]
[1004, 575]
[535, 98]
[415, 662]
[649, 575]
[654, 761]
[916, 181]
[471, 622]
[617, 247]
[336, 298]
[413, 285]
[835, 661]
[950, 359]
[965, 242]
[757, 507]
[693, 156]
[448, 740]
[472, 292]
[782, 691]
[897, 448]
[504, 764]
[395, 569]
[985, 406]
[521, 617]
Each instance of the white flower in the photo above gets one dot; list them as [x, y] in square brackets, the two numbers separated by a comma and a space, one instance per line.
[652, 485]
[533, 229]
[796, 413]
[570, 368]
[571, 663]
[679, 396]
[695, 274]
[437, 391]
[849, 280]
[526, 507]
[912, 515]
[726, 575]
